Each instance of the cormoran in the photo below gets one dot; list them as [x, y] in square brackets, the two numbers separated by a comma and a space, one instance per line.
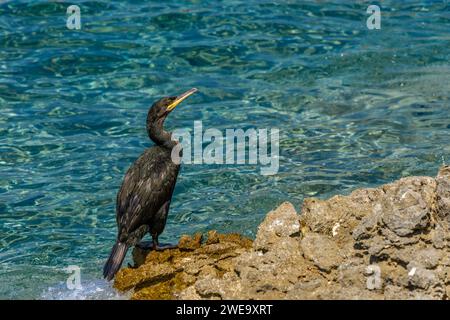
[144, 198]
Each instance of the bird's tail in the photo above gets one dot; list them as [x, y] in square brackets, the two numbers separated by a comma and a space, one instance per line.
[115, 260]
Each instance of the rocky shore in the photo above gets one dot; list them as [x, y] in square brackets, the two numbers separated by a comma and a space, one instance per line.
[390, 242]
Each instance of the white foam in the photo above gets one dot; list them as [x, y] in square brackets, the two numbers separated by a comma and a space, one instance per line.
[93, 290]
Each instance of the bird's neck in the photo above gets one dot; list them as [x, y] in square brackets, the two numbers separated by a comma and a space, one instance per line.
[158, 135]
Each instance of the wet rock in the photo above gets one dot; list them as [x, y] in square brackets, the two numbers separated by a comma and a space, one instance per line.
[164, 274]
[390, 242]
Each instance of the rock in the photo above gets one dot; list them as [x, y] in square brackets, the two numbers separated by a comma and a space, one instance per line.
[280, 223]
[419, 277]
[321, 250]
[390, 242]
[368, 223]
[323, 216]
[443, 194]
[352, 273]
[165, 274]
[130, 278]
[407, 205]
[187, 243]
[438, 237]
[429, 257]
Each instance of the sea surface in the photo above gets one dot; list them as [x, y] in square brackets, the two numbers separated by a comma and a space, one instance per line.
[355, 108]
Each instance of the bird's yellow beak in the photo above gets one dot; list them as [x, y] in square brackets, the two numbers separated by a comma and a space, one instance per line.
[180, 98]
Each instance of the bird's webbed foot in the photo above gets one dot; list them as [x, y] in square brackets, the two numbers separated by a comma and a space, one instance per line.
[161, 246]
[155, 245]
[145, 245]
[164, 246]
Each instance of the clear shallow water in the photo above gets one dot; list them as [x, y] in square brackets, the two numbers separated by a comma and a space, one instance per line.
[355, 108]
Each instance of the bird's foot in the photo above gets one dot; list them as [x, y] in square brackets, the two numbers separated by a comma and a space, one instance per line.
[145, 245]
[150, 245]
[164, 246]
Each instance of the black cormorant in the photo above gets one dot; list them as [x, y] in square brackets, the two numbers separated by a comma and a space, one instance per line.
[144, 198]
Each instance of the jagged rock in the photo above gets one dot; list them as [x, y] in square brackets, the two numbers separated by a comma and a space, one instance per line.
[323, 252]
[278, 224]
[443, 194]
[164, 274]
[407, 204]
[429, 257]
[188, 243]
[419, 277]
[390, 242]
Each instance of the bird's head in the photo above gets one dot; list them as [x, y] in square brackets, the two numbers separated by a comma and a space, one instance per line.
[161, 108]
[159, 112]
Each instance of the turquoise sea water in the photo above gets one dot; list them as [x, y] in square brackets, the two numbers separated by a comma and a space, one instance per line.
[355, 108]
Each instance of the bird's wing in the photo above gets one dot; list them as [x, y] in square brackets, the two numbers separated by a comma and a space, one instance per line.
[147, 185]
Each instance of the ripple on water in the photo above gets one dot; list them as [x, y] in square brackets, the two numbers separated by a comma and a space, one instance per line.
[355, 108]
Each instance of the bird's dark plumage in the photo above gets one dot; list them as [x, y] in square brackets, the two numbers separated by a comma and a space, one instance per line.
[144, 198]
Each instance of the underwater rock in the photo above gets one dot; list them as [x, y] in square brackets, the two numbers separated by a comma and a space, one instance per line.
[390, 242]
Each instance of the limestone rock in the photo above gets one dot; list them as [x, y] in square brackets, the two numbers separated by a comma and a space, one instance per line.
[280, 223]
[390, 242]
[164, 274]
[321, 250]
[188, 243]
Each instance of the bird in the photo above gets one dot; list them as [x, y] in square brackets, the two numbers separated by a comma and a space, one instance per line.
[143, 200]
